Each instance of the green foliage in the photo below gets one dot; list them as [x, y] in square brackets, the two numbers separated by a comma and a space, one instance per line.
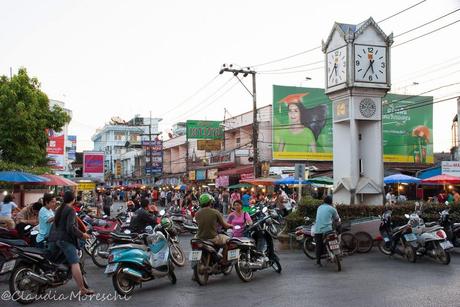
[309, 205]
[10, 166]
[25, 117]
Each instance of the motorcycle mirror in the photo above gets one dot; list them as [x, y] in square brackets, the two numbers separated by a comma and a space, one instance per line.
[162, 212]
[27, 227]
[149, 229]
[127, 231]
[446, 203]
[264, 209]
[407, 216]
[237, 227]
[306, 218]
[104, 216]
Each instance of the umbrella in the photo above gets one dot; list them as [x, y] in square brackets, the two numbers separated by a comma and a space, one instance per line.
[322, 180]
[20, 177]
[291, 180]
[400, 178]
[442, 179]
[260, 181]
[240, 185]
[56, 180]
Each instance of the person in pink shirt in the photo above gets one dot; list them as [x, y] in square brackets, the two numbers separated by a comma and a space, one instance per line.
[240, 218]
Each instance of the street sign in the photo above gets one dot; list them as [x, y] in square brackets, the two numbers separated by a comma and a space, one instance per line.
[299, 171]
[209, 145]
[204, 129]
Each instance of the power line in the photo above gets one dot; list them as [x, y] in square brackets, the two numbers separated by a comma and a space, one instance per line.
[427, 23]
[402, 11]
[292, 72]
[292, 67]
[428, 33]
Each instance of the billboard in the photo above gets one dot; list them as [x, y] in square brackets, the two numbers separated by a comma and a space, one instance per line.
[55, 149]
[153, 149]
[302, 126]
[204, 129]
[93, 164]
[72, 150]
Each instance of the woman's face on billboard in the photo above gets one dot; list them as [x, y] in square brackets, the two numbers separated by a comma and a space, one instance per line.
[294, 114]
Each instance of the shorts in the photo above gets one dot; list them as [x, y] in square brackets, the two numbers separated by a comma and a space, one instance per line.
[220, 240]
[69, 250]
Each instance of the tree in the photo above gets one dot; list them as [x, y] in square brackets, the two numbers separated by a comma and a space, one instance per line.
[25, 117]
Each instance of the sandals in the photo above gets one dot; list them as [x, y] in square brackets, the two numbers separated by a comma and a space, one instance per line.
[87, 292]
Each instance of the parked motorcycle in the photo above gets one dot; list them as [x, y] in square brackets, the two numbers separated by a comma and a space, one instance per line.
[399, 240]
[452, 229]
[176, 252]
[431, 238]
[132, 264]
[34, 273]
[29, 234]
[256, 251]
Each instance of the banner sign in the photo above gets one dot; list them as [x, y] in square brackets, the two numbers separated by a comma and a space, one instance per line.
[191, 175]
[86, 186]
[302, 126]
[451, 168]
[93, 164]
[153, 149]
[55, 149]
[212, 173]
[222, 181]
[72, 150]
[201, 174]
[204, 129]
[209, 145]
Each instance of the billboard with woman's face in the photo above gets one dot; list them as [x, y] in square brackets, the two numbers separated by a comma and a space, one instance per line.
[302, 126]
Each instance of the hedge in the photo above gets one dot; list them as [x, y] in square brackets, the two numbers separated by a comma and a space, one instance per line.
[308, 207]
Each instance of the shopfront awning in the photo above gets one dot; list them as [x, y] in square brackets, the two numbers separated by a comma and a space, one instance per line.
[237, 170]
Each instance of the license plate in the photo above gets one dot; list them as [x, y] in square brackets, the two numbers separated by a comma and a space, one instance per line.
[8, 266]
[334, 246]
[410, 237]
[299, 238]
[446, 245]
[195, 256]
[233, 254]
[111, 268]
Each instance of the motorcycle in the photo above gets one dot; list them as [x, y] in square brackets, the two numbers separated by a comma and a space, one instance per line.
[400, 240]
[29, 234]
[256, 251]
[132, 264]
[206, 260]
[33, 273]
[431, 239]
[176, 252]
[452, 230]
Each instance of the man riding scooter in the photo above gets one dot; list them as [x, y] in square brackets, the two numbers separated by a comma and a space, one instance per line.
[207, 219]
[326, 214]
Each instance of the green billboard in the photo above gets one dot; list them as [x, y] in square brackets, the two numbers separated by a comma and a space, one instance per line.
[302, 126]
[204, 129]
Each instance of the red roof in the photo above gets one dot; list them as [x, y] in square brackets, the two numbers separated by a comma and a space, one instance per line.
[442, 179]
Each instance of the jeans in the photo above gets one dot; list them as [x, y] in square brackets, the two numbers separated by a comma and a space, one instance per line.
[319, 246]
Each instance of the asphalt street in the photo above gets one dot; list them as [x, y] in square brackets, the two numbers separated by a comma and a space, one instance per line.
[366, 280]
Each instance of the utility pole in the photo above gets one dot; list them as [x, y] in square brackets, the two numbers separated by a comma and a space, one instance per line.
[255, 126]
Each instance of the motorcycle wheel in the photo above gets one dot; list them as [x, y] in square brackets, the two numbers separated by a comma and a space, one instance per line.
[384, 249]
[365, 242]
[177, 255]
[309, 248]
[443, 255]
[244, 274]
[411, 255]
[348, 243]
[200, 270]
[22, 288]
[98, 259]
[276, 265]
[123, 286]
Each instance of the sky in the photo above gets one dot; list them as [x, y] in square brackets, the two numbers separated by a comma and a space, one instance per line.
[121, 58]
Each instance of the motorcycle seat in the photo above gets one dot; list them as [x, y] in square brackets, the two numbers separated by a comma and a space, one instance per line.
[433, 228]
[456, 225]
[243, 240]
[117, 235]
[396, 229]
[430, 224]
[14, 242]
[129, 246]
[207, 242]
[32, 250]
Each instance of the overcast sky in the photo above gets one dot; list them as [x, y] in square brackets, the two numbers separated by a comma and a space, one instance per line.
[121, 58]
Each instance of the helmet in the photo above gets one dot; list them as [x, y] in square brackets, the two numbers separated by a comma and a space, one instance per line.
[206, 199]
[166, 223]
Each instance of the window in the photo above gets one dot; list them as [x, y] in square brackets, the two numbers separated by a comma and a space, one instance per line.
[134, 137]
[238, 141]
[119, 136]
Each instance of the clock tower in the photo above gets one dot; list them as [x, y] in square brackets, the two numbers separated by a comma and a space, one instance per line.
[357, 77]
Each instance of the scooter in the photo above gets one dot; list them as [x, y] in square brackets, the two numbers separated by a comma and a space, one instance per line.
[452, 229]
[132, 264]
[399, 240]
[256, 251]
[431, 239]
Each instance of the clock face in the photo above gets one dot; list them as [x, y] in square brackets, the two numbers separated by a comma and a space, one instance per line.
[367, 107]
[370, 64]
[337, 66]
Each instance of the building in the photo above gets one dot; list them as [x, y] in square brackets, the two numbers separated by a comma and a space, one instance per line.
[121, 142]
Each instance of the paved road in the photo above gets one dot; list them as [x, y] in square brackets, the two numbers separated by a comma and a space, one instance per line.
[366, 280]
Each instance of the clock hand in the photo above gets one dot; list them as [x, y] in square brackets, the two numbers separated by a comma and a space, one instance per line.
[335, 68]
[370, 65]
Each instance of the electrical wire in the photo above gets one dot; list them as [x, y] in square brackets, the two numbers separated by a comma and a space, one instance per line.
[428, 33]
[402, 11]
